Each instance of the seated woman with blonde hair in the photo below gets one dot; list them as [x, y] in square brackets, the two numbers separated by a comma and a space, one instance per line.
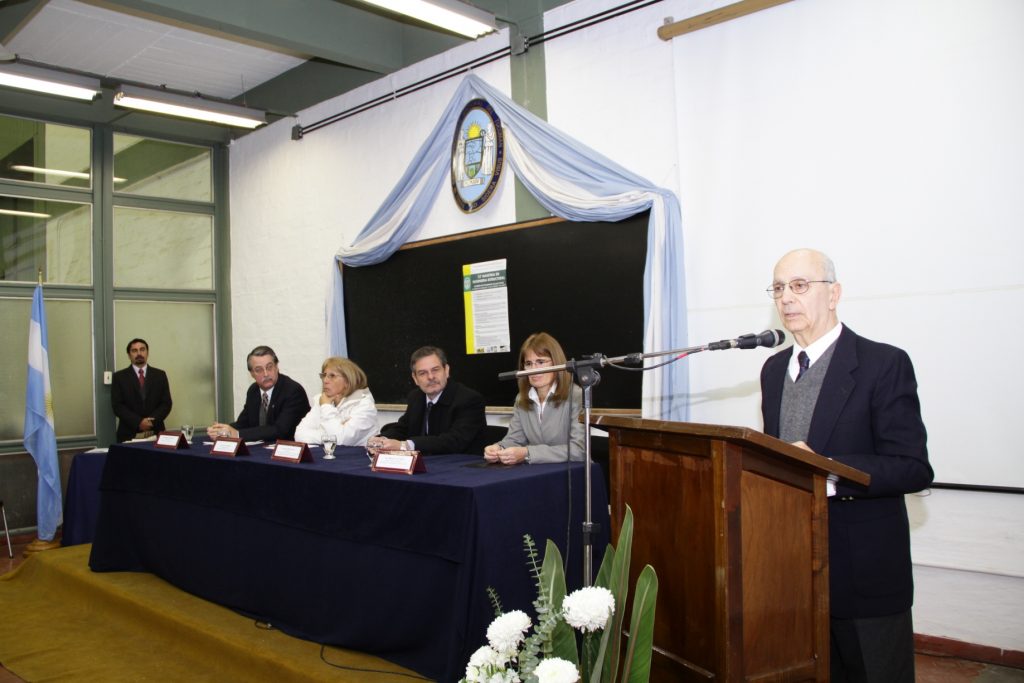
[545, 424]
[345, 408]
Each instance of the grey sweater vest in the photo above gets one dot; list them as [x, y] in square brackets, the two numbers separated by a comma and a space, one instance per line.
[799, 399]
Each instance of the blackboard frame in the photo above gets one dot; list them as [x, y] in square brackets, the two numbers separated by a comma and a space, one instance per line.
[581, 282]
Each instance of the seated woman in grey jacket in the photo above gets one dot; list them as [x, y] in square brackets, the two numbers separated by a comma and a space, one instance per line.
[545, 424]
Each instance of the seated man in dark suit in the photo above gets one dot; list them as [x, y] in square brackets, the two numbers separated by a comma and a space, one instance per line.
[855, 401]
[274, 404]
[140, 395]
[441, 416]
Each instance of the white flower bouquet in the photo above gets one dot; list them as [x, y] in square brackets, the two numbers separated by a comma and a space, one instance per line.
[549, 654]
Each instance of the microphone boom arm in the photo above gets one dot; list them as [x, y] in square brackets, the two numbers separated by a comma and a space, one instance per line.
[599, 360]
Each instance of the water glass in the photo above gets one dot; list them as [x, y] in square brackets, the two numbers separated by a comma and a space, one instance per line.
[188, 431]
[330, 441]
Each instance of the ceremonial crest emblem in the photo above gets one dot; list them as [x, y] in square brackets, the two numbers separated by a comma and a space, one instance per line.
[478, 151]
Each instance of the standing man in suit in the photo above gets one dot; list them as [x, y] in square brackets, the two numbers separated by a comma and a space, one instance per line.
[855, 401]
[441, 416]
[140, 395]
[274, 404]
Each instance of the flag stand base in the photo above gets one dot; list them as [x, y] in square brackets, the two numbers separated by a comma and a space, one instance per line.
[39, 545]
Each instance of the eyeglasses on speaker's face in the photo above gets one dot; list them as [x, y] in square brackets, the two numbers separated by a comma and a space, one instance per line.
[797, 286]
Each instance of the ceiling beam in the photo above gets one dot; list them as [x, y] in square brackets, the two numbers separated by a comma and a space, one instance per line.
[324, 29]
[310, 83]
[15, 15]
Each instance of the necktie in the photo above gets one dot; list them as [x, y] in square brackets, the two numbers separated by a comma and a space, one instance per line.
[263, 409]
[142, 382]
[426, 418]
[805, 362]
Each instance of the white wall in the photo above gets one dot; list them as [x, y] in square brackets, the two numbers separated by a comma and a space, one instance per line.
[295, 203]
[885, 132]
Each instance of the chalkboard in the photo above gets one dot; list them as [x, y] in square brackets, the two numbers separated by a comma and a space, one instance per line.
[580, 282]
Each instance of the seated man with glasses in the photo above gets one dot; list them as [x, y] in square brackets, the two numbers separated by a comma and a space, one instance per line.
[345, 409]
[855, 401]
[545, 424]
[274, 403]
[440, 416]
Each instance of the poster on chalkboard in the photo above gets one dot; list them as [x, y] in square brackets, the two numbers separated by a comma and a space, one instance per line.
[485, 300]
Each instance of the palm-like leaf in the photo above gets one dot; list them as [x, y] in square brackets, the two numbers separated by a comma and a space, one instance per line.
[619, 586]
[593, 653]
[637, 658]
[552, 577]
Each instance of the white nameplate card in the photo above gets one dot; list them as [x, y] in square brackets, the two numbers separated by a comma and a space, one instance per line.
[401, 462]
[171, 440]
[229, 446]
[291, 451]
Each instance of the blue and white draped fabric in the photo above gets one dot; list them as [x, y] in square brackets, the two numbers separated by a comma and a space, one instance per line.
[40, 437]
[571, 181]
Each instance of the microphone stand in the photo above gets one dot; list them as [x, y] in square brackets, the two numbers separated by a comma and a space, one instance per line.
[587, 376]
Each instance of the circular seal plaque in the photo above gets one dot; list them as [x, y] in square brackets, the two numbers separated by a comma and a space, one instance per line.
[478, 151]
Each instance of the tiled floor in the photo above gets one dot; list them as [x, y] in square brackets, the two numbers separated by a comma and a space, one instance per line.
[930, 669]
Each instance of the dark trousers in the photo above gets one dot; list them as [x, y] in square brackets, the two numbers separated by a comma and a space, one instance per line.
[873, 650]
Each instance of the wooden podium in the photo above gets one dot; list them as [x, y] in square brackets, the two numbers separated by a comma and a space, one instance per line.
[735, 523]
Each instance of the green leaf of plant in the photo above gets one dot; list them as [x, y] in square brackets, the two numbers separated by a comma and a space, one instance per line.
[619, 586]
[637, 658]
[604, 574]
[602, 647]
[563, 638]
[593, 655]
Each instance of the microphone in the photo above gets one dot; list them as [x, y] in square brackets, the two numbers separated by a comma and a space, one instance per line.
[769, 338]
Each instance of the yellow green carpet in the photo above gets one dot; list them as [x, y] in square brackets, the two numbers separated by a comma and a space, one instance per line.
[61, 621]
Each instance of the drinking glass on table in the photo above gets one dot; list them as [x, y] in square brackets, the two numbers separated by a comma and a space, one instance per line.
[188, 431]
[330, 441]
[372, 447]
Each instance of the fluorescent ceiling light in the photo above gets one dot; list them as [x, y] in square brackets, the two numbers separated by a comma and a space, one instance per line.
[26, 77]
[57, 172]
[455, 16]
[30, 214]
[160, 102]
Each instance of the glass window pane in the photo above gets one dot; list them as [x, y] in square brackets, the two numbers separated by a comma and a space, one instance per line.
[69, 332]
[162, 249]
[48, 153]
[40, 233]
[162, 169]
[180, 339]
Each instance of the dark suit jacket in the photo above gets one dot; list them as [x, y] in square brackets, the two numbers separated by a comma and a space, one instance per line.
[129, 405]
[867, 416]
[457, 422]
[288, 405]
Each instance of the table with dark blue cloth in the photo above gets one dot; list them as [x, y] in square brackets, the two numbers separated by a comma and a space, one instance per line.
[394, 565]
[82, 502]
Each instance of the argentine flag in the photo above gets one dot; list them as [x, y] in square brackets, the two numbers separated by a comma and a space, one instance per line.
[40, 438]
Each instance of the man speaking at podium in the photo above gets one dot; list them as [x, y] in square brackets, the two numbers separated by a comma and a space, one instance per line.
[855, 401]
